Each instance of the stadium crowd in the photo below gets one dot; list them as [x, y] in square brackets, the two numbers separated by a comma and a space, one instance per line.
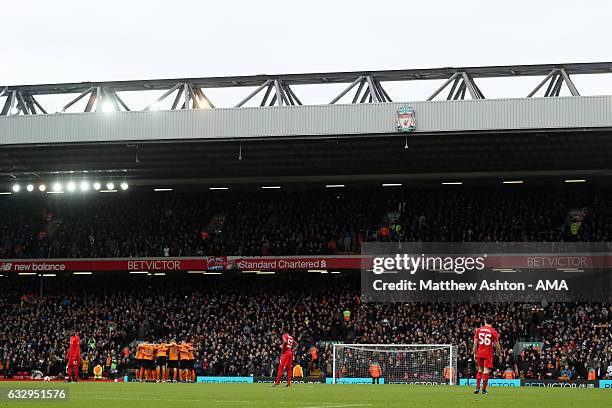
[235, 326]
[279, 223]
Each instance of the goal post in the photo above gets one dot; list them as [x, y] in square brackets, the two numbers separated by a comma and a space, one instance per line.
[395, 363]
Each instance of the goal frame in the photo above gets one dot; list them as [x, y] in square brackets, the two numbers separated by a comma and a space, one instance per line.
[451, 355]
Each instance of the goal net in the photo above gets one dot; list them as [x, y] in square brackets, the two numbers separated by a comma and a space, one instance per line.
[395, 363]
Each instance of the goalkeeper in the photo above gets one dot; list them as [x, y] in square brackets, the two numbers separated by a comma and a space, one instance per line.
[375, 372]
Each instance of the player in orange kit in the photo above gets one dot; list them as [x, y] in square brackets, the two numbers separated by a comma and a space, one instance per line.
[148, 358]
[161, 361]
[173, 357]
[139, 362]
[186, 362]
[191, 377]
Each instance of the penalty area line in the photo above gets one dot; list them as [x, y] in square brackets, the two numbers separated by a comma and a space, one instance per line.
[139, 398]
[339, 406]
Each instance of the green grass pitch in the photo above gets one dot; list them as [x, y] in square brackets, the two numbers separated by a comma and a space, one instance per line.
[133, 395]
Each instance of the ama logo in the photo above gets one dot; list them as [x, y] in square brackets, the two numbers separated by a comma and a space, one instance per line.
[552, 285]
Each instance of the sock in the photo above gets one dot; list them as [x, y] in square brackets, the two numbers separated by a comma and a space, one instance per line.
[485, 380]
[478, 375]
[157, 371]
[279, 374]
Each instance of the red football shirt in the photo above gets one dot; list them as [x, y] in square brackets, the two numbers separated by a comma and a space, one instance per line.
[75, 347]
[288, 342]
[485, 337]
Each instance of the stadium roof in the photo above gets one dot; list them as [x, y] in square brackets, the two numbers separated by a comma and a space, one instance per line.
[380, 158]
[562, 136]
[363, 87]
[325, 77]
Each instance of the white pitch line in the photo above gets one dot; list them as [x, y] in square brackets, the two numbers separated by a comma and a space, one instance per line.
[339, 406]
[163, 399]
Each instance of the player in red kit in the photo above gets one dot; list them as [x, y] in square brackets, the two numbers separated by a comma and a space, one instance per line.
[73, 357]
[286, 360]
[485, 338]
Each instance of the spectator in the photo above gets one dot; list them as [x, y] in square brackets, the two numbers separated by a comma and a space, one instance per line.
[566, 374]
[293, 223]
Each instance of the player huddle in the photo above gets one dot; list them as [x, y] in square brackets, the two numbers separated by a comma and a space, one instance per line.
[165, 362]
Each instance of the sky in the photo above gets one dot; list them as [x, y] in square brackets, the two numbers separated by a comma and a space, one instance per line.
[75, 40]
